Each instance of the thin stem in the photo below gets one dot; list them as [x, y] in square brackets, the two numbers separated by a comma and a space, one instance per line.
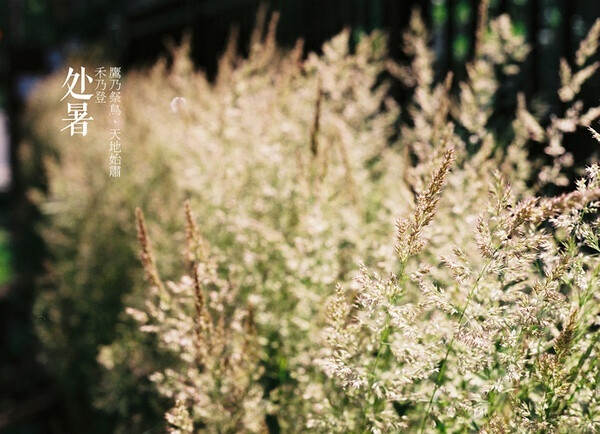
[450, 344]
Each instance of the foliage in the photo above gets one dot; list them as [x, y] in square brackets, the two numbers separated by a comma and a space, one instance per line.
[296, 169]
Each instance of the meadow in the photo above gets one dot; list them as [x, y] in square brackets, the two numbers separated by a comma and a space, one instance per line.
[290, 250]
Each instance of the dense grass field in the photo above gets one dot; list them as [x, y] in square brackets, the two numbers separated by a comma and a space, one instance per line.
[290, 250]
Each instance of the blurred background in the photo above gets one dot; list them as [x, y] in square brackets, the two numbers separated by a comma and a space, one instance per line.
[38, 37]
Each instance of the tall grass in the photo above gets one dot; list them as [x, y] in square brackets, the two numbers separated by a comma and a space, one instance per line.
[334, 268]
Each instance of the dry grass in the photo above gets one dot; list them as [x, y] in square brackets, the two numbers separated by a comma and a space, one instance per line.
[482, 316]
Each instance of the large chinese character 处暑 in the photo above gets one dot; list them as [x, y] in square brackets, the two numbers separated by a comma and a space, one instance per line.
[77, 117]
[73, 78]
